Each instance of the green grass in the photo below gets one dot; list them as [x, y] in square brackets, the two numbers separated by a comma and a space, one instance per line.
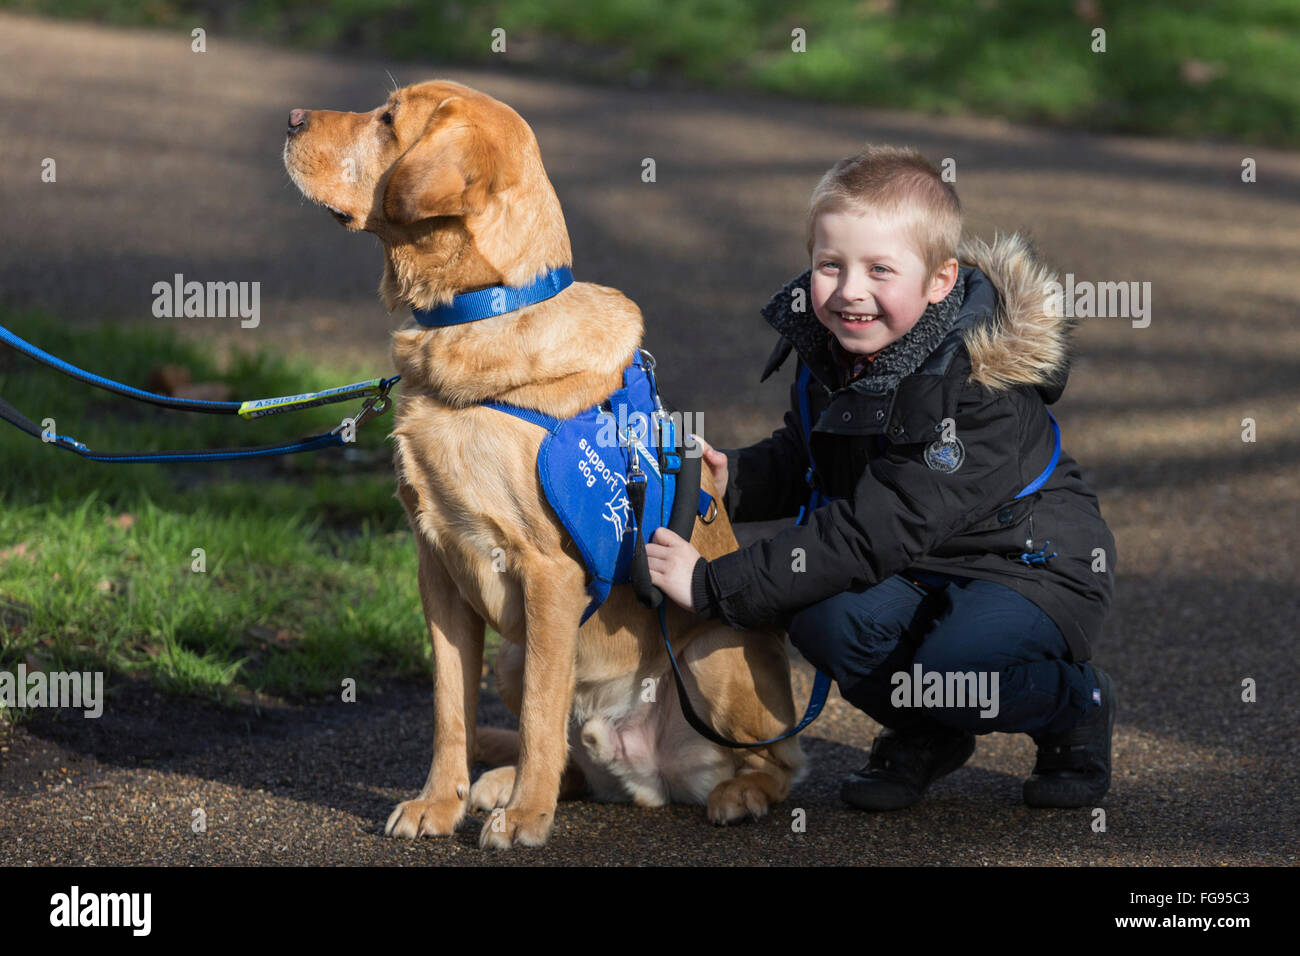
[310, 567]
[1022, 59]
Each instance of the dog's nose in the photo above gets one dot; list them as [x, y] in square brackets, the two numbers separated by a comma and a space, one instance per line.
[297, 120]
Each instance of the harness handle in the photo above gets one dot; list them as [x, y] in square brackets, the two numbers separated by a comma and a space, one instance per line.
[646, 593]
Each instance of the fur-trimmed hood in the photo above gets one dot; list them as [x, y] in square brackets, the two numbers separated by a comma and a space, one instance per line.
[1010, 336]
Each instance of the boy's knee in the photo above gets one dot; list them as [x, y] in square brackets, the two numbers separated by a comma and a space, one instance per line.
[840, 641]
[818, 636]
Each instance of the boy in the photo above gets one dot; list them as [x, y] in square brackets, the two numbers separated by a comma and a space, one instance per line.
[952, 567]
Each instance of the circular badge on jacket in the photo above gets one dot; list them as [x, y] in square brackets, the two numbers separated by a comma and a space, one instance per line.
[945, 456]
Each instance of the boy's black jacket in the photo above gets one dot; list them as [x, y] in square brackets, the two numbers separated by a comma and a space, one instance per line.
[1004, 360]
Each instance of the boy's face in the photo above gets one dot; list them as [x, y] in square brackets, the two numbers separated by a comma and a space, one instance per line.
[864, 265]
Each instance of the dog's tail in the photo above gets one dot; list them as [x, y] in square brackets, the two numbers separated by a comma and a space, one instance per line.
[496, 746]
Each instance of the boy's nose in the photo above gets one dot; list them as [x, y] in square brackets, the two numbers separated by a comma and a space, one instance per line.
[853, 290]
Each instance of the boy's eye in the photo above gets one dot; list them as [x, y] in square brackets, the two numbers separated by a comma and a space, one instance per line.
[881, 268]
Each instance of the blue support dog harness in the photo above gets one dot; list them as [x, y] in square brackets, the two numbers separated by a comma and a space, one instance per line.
[817, 499]
[611, 475]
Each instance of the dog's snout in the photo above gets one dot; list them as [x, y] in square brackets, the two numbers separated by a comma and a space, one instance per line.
[297, 121]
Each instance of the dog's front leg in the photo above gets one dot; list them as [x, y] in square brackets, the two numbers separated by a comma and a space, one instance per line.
[456, 632]
[554, 600]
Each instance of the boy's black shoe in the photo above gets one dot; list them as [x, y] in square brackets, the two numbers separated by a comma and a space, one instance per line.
[1073, 769]
[903, 765]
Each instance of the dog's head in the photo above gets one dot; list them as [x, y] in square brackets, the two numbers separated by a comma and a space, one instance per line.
[449, 179]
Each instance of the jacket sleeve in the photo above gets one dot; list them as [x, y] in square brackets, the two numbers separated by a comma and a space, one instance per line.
[900, 509]
[766, 480]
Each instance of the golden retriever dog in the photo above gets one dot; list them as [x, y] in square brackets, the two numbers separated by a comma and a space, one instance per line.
[452, 183]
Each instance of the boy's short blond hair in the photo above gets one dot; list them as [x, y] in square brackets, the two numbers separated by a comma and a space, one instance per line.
[895, 182]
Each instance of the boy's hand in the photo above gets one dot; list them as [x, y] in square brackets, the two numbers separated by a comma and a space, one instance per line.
[672, 563]
[717, 463]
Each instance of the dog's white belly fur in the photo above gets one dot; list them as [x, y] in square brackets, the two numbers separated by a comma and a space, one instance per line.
[642, 751]
[631, 749]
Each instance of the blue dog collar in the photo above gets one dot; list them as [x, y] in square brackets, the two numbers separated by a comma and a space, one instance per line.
[496, 300]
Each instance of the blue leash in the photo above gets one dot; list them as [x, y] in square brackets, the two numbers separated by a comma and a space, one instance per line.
[821, 689]
[375, 391]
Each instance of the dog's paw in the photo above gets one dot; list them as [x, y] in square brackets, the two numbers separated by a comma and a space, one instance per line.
[416, 818]
[517, 827]
[745, 796]
[493, 789]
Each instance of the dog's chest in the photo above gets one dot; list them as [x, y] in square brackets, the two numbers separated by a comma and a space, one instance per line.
[470, 494]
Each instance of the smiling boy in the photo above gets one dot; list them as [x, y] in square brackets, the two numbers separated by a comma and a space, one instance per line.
[947, 532]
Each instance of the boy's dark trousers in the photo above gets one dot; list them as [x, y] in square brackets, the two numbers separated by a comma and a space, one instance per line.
[947, 624]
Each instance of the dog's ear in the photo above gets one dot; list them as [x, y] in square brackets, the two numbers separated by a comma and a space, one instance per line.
[451, 171]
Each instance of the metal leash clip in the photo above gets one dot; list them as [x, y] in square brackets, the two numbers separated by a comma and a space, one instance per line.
[374, 406]
[659, 418]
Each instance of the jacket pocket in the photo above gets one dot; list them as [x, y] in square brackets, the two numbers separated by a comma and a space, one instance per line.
[1000, 532]
[1007, 516]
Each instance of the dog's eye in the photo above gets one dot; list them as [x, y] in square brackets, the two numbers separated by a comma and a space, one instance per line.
[387, 118]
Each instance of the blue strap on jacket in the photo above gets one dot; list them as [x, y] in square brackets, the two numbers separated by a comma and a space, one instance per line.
[817, 499]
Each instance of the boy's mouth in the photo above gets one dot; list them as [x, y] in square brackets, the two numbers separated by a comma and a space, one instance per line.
[857, 318]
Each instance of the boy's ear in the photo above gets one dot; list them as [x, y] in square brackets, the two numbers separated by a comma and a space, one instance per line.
[451, 171]
[943, 281]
